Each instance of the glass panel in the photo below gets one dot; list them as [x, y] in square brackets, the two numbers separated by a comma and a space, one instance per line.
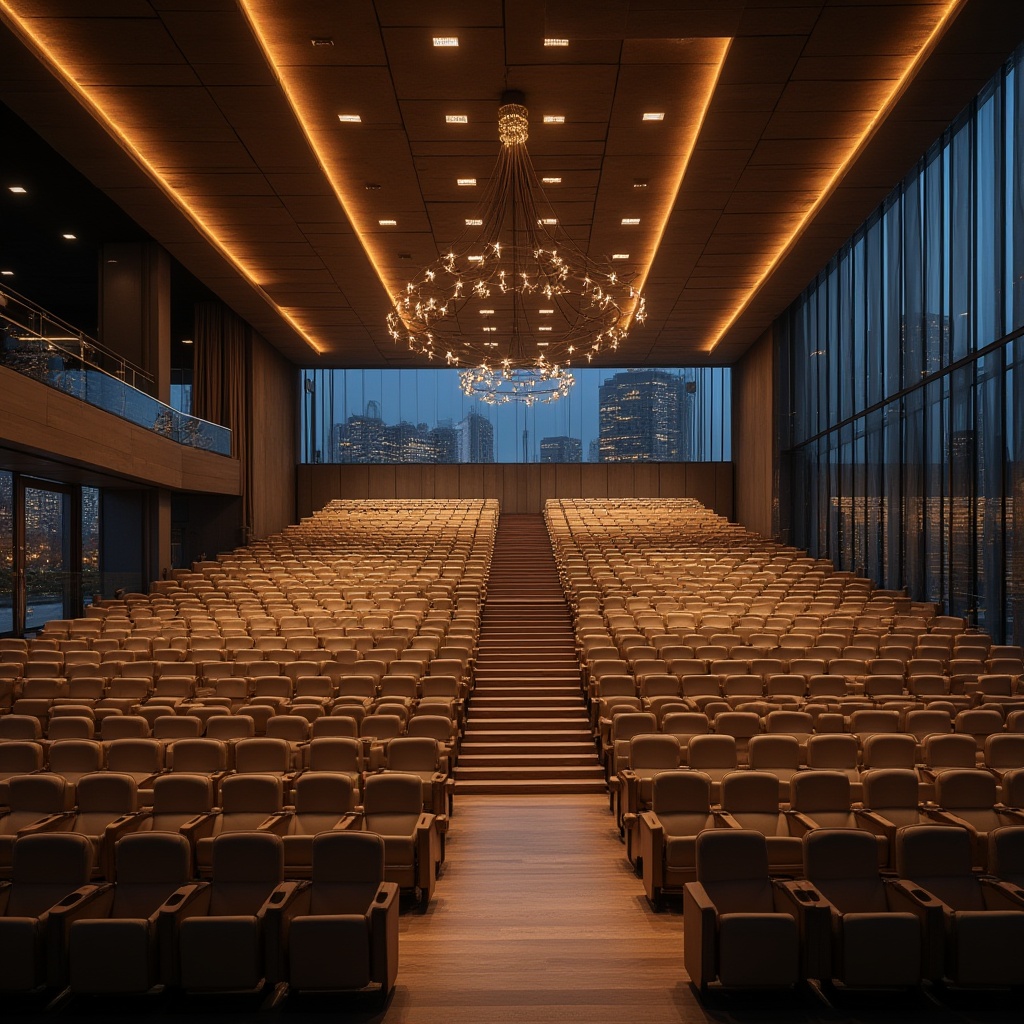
[6, 552]
[90, 543]
[394, 416]
[47, 556]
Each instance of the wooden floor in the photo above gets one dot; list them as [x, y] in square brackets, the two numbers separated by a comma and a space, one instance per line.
[539, 918]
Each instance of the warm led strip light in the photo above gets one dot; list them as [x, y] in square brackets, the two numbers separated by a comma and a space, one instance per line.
[686, 151]
[21, 27]
[830, 186]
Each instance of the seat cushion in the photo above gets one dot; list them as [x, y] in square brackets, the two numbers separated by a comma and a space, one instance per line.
[112, 956]
[758, 950]
[220, 953]
[22, 963]
[987, 947]
[880, 950]
[331, 952]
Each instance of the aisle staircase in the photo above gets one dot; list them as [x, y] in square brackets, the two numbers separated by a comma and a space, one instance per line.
[527, 730]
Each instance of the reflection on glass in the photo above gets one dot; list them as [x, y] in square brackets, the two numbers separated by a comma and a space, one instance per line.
[920, 482]
[630, 415]
[6, 552]
[90, 543]
[47, 582]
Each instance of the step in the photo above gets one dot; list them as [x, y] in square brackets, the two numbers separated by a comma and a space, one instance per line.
[567, 692]
[530, 787]
[529, 772]
[521, 759]
[474, 748]
[486, 714]
[529, 733]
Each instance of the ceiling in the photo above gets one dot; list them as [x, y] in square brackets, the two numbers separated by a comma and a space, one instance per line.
[214, 124]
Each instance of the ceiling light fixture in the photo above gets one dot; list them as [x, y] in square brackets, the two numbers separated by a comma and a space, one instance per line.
[554, 119]
[186, 341]
[630, 221]
[551, 181]
[523, 259]
[446, 40]
[456, 119]
[318, 41]
[18, 189]
[473, 222]
[465, 182]
[350, 118]
[6, 273]
[556, 42]
[654, 116]
[388, 223]
[69, 236]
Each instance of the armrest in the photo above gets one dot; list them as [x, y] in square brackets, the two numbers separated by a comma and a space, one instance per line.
[909, 897]
[350, 822]
[724, 819]
[1000, 895]
[118, 827]
[428, 853]
[871, 821]
[947, 818]
[87, 901]
[700, 925]
[192, 900]
[59, 822]
[276, 823]
[199, 827]
[288, 900]
[627, 786]
[813, 913]
[383, 916]
[799, 823]
[652, 845]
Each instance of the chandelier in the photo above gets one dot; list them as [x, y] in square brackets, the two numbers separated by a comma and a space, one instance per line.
[515, 300]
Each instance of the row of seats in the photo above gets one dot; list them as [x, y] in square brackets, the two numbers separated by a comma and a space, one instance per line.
[244, 928]
[935, 919]
[106, 806]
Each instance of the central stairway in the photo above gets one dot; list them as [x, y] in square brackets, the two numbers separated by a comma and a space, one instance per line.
[527, 729]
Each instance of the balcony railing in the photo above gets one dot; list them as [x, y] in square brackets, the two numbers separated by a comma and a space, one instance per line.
[39, 345]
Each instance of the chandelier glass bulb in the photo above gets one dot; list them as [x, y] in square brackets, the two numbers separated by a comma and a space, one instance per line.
[514, 299]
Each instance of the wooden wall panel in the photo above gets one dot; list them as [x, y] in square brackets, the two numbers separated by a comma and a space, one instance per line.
[519, 488]
[38, 420]
[753, 432]
[273, 415]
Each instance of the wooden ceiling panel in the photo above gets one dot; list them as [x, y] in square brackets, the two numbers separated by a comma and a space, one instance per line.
[261, 155]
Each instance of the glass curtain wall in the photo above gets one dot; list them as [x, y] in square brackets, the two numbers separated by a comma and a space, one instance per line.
[6, 552]
[903, 430]
[614, 415]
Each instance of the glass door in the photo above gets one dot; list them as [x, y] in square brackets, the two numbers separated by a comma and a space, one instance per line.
[49, 546]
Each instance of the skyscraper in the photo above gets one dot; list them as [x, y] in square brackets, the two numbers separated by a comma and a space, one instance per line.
[476, 439]
[561, 449]
[644, 417]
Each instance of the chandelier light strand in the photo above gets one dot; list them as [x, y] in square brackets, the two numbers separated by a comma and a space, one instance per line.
[515, 300]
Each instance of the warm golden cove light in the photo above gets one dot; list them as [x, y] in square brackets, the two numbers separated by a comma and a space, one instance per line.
[64, 63]
[944, 16]
[517, 257]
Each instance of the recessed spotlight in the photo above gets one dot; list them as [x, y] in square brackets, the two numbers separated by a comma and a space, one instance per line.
[69, 236]
[639, 183]
[465, 181]
[556, 42]
[547, 220]
[322, 41]
[18, 189]
[473, 222]
[545, 312]
[543, 344]
[186, 341]
[350, 118]
[111, 261]
[475, 259]
[6, 273]
[456, 119]
[446, 40]
[551, 181]
[545, 328]
[486, 312]
[490, 329]
[630, 220]
[388, 223]
[654, 116]
[554, 119]
[620, 255]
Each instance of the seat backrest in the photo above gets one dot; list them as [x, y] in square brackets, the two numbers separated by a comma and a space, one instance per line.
[816, 790]
[681, 791]
[230, 727]
[150, 866]
[135, 755]
[173, 727]
[203, 755]
[1006, 853]
[381, 727]
[252, 793]
[107, 792]
[393, 793]
[750, 792]
[950, 751]
[633, 723]
[890, 788]
[291, 728]
[413, 753]
[45, 868]
[334, 754]
[348, 868]
[939, 859]
[247, 867]
[732, 865]
[832, 751]
[182, 793]
[20, 727]
[1004, 750]
[653, 750]
[789, 723]
[75, 756]
[966, 788]
[437, 727]
[43, 793]
[889, 750]
[774, 752]
[842, 863]
[712, 751]
[121, 727]
[20, 756]
[262, 754]
[323, 792]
